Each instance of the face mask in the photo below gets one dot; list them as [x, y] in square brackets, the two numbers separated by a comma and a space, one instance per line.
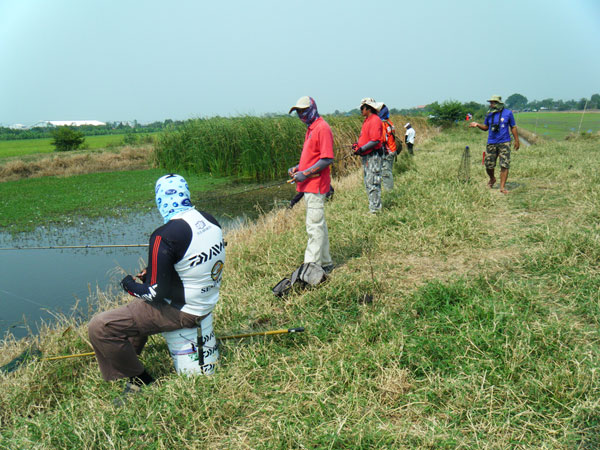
[310, 114]
[172, 196]
[496, 107]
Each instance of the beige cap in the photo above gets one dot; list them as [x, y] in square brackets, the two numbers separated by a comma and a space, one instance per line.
[301, 103]
[496, 98]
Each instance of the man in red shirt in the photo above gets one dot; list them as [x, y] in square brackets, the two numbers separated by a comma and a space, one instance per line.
[313, 177]
[370, 149]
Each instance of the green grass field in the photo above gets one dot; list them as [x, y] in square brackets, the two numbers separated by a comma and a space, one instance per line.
[557, 125]
[23, 147]
[29, 203]
[483, 332]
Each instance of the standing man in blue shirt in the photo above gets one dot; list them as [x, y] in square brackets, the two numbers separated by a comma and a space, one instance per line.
[498, 121]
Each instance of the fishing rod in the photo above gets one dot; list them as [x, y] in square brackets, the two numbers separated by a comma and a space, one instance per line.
[59, 247]
[62, 247]
[263, 333]
[264, 186]
[233, 336]
[256, 188]
[54, 358]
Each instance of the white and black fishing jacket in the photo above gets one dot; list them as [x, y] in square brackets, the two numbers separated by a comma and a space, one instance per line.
[185, 264]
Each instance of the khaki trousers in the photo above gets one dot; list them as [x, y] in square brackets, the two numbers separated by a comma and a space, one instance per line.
[119, 335]
[317, 249]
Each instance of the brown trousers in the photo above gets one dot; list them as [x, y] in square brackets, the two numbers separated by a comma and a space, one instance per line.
[119, 335]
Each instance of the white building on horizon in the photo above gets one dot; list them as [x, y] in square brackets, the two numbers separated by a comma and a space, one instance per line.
[17, 126]
[67, 123]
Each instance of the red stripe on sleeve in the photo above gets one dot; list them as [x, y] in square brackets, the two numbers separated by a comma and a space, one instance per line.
[154, 259]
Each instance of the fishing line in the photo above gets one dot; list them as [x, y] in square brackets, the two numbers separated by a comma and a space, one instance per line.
[60, 247]
[256, 188]
[25, 298]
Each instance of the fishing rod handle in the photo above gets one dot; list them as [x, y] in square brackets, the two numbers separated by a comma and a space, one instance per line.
[54, 358]
[284, 330]
[263, 333]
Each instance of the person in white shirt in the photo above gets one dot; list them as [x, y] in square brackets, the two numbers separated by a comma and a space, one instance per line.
[409, 137]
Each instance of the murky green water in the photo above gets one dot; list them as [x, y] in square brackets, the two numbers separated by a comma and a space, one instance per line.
[36, 285]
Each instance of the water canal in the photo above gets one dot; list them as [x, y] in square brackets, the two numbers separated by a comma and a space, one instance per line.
[38, 285]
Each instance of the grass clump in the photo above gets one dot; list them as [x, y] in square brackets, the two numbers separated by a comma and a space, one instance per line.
[483, 332]
[246, 147]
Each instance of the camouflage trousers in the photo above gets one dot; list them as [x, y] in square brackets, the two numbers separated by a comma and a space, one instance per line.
[387, 176]
[495, 151]
[372, 165]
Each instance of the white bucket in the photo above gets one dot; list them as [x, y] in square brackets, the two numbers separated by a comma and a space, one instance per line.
[189, 357]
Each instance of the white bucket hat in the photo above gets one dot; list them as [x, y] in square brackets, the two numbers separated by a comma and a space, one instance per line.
[372, 103]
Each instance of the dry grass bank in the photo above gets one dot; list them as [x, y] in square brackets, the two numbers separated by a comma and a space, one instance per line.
[529, 136]
[66, 164]
[483, 332]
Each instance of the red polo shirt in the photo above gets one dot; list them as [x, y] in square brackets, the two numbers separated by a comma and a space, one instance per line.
[318, 144]
[372, 130]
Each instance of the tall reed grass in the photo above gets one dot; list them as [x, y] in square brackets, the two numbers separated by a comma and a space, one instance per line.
[256, 148]
[246, 147]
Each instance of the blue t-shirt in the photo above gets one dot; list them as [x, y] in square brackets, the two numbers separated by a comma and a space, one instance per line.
[506, 120]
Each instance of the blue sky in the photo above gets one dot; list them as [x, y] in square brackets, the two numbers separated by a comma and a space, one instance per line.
[153, 60]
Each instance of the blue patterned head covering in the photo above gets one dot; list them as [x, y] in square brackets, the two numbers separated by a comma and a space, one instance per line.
[384, 113]
[172, 195]
[309, 115]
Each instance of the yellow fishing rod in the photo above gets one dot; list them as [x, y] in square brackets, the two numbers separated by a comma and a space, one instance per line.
[233, 336]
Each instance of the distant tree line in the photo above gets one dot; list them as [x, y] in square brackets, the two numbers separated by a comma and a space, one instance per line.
[7, 134]
[440, 114]
[518, 102]
[451, 110]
